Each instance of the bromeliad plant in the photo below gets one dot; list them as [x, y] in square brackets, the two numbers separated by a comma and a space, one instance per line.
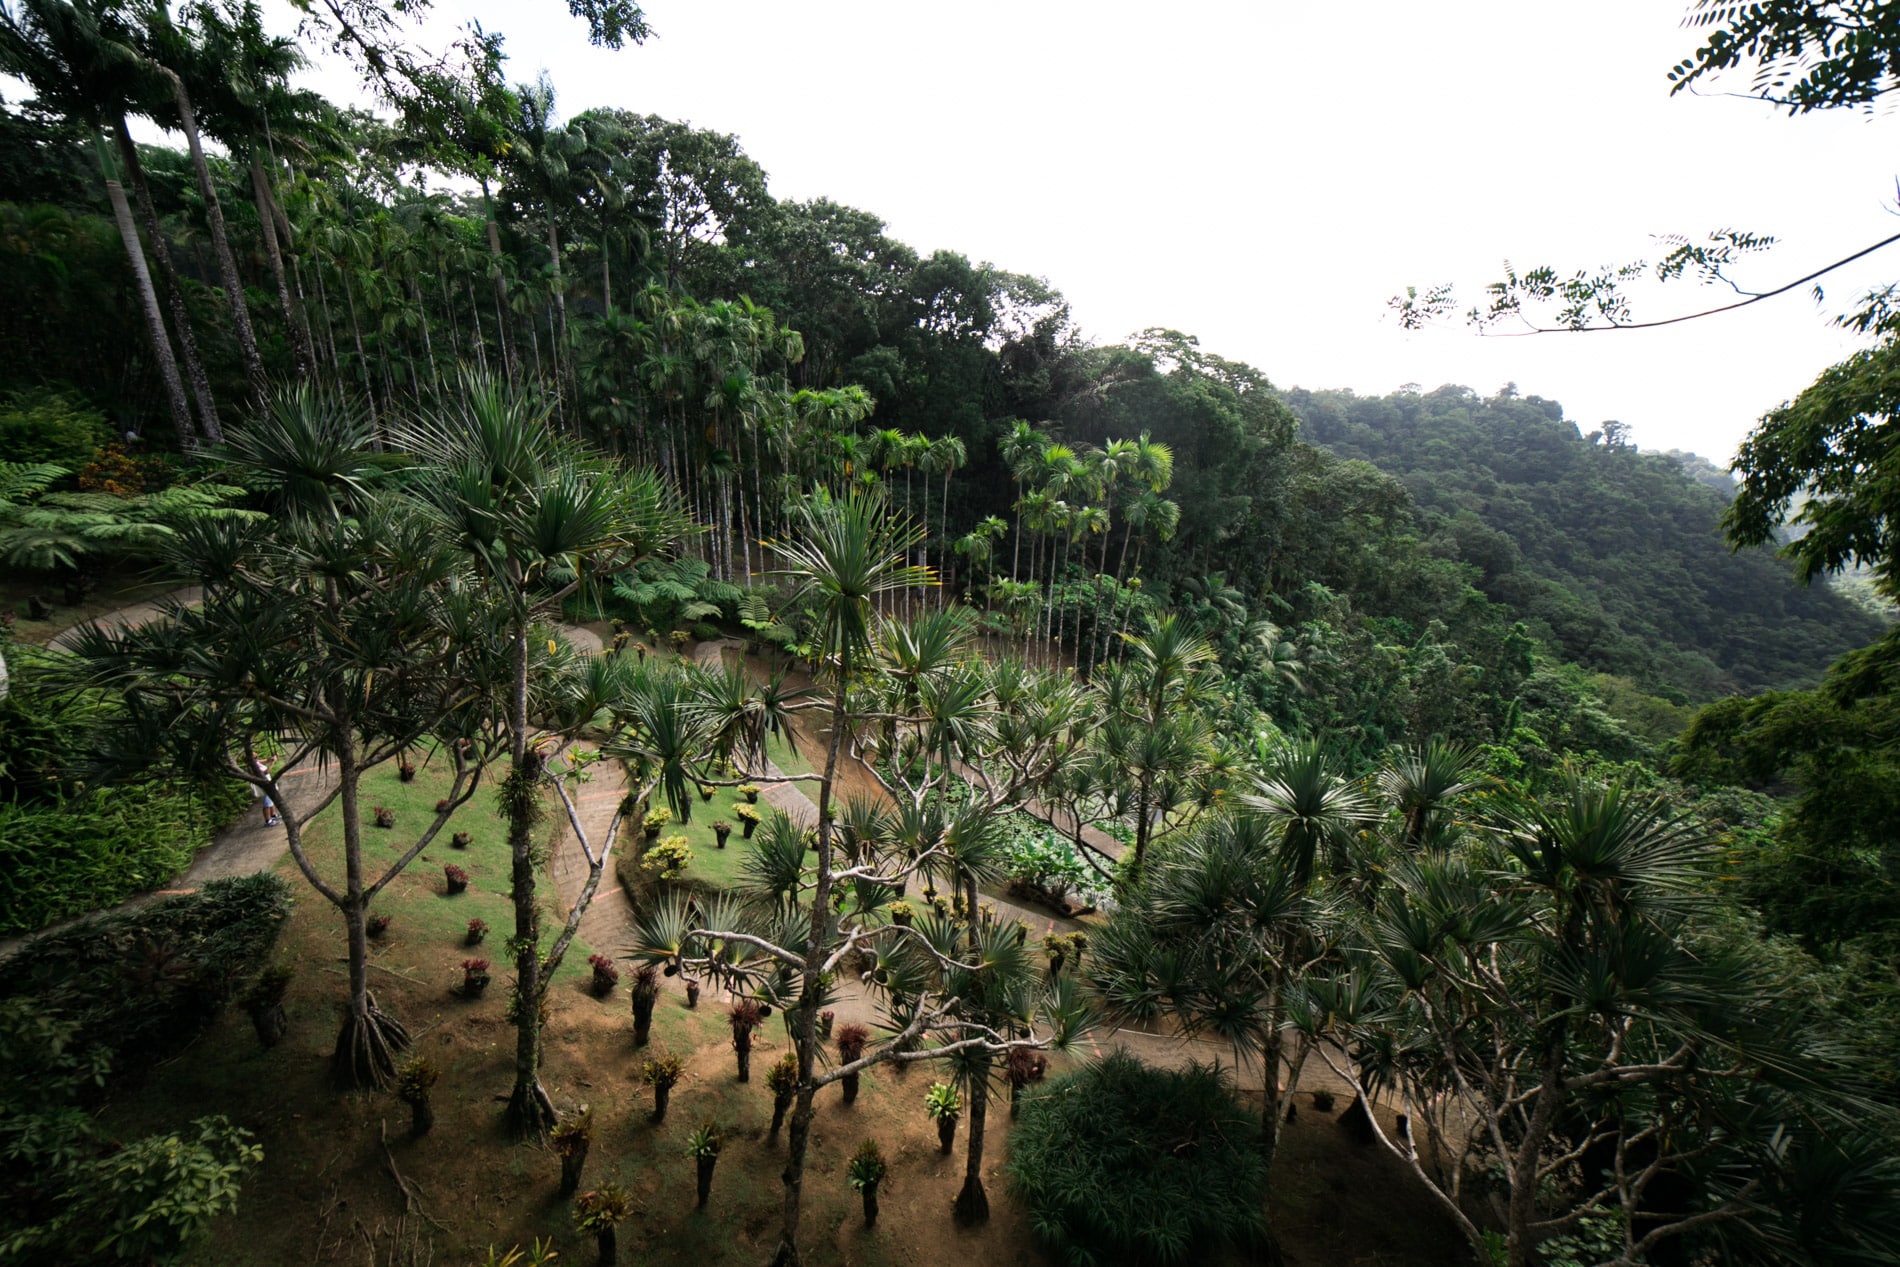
[600, 1212]
[945, 1107]
[571, 1139]
[782, 1078]
[606, 976]
[703, 1147]
[645, 993]
[662, 1073]
[413, 1083]
[865, 1171]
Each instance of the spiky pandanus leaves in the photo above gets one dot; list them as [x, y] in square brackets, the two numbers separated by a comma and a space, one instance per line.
[1313, 808]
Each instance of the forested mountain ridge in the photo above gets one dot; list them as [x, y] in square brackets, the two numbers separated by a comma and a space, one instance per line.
[1613, 555]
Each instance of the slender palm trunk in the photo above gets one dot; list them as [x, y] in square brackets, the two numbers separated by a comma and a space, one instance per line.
[174, 286]
[501, 293]
[221, 243]
[294, 329]
[154, 320]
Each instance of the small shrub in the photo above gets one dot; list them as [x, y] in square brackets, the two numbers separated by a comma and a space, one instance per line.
[750, 791]
[459, 840]
[600, 1212]
[48, 426]
[852, 1039]
[474, 977]
[385, 816]
[1097, 1158]
[571, 1139]
[477, 930]
[782, 1078]
[457, 877]
[606, 976]
[669, 859]
[413, 1084]
[944, 1106]
[721, 830]
[662, 1073]
[707, 791]
[376, 926]
[745, 813]
[864, 1172]
[655, 819]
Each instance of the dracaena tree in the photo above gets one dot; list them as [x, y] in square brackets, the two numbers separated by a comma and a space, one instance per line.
[348, 640]
[1533, 994]
[533, 517]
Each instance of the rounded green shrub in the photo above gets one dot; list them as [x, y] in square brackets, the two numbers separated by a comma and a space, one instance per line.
[1123, 1163]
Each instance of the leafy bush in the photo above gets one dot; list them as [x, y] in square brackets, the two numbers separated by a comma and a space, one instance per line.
[75, 1194]
[49, 427]
[99, 848]
[1122, 1163]
[1041, 861]
[146, 982]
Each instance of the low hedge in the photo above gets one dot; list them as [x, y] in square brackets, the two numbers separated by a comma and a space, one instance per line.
[145, 982]
[97, 849]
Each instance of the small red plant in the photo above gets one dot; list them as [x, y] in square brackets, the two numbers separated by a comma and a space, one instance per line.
[377, 925]
[606, 976]
[456, 877]
[474, 976]
[477, 929]
[385, 816]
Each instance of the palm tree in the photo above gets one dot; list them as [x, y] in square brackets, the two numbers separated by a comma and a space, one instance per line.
[1165, 678]
[1021, 448]
[545, 158]
[947, 455]
[163, 48]
[1420, 782]
[78, 59]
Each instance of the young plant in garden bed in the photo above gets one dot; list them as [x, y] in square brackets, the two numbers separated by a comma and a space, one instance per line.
[662, 1073]
[474, 977]
[945, 1107]
[599, 1213]
[703, 1147]
[571, 1139]
[413, 1083]
[477, 931]
[865, 1171]
[265, 1003]
[455, 878]
[606, 976]
[782, 1078]
[646, 993]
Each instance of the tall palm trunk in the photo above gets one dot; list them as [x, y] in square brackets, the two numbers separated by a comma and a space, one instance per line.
[154, 320]
[501, 288]
[973, 1204]
[294, 329]
[174, 285]
[220, 242]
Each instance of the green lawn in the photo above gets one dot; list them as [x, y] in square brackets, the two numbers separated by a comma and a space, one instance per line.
[421, 911]
[711, 865]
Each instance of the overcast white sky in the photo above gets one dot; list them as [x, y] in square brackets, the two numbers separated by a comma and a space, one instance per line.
[1266, 175]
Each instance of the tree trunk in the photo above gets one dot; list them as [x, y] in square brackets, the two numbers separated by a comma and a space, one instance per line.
[174, 285]
[973, 1204]
[368, 1041]
[609, 1246]
[805, 1020]
[946, 1134]
[154, 320]
[294, 331]
[850, 1084]
[220, 242]
[742, 1049]
[501, 293]
[530, 1111]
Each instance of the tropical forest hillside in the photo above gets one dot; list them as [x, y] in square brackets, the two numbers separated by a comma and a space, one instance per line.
[1614, 555]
